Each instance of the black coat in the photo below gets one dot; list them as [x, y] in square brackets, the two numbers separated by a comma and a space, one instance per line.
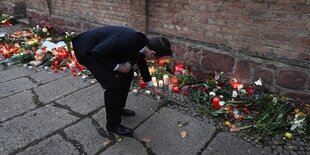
[113, 45]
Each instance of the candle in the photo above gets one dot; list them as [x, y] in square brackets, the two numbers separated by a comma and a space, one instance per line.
[161, 83]
[216, 103]
[142, 84]
[175, 89]
[135, 91]
[166, 79]
[170, 87]
[155, 84]
[250, 90]
[174, 80]
[154, 79]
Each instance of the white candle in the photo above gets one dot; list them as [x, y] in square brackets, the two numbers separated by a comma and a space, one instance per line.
[155, 84]
[166, 79]
[154, 79]
[161, 83]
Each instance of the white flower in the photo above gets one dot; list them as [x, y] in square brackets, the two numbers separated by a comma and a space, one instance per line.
[212, 93]
[234, 94]
[274, 100]
[135, 74]
[44, 30]
[221, 96]
[259, 82]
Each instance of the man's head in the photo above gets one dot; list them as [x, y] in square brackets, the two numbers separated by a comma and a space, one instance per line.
[158, 47]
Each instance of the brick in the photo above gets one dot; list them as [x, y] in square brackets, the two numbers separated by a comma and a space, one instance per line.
[298, 1]
[264, 74]
[308, 83]
[305, 96]
[271, 66]
[293, 79]
[217, 61]
[303, 56]
[256, 6]
[243, 70]
[278, 37]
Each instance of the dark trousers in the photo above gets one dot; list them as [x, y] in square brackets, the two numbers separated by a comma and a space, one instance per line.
[117, 86]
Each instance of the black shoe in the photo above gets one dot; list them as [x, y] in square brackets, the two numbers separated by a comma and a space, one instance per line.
[120, 130]
[127, 112]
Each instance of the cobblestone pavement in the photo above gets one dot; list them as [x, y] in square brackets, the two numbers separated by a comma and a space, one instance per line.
[54, 113]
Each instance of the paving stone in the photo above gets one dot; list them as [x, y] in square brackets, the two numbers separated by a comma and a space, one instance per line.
[16, 105]
[51, 146]
[144, 107]
[128, 146]
[14, 73]
[87, 135]
[164, 133]
[100, 117]
[14, 86]
[85, 100]
[36, 124]
[59, 88]
[226, 144]
[47, 76]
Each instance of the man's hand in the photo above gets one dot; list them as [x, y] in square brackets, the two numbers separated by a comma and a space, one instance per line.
[155, 91]
[123, 68]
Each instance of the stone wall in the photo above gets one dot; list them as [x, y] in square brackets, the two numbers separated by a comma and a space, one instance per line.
[16, 8]
[247, 39]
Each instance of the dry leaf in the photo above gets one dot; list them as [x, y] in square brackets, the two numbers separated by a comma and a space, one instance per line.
[182, 123]
[119, 139]
[146, 139]
[233, 128]
[106, 143]
[183, 134]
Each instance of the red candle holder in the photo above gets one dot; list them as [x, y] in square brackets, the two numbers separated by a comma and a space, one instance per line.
[174, 80]
[250, 90]
[142, 84]
[175, 89]
[216, 103]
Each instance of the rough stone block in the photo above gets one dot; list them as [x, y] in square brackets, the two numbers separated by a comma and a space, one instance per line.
[47, 76]
[85, 133]
[243, 70]
[12, 106]
[144, 107]
[14, 86]
[59, 88]
[226, 144]
[127, 146]
[264, 74]
[52, 145]
[14, 73]
[165, 135]
[217, 61]
[85, 100]
[34, 125]
[292, 79]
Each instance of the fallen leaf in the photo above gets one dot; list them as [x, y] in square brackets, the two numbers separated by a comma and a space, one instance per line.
[233, 128]
[146, 139]
[183, 134]
[119, 139]
[106, 143]
[182, 123]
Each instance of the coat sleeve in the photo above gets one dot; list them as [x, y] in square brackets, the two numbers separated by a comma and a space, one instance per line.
[144, 69]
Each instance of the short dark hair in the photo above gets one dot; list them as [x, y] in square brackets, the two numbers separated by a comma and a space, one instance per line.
[160, 45]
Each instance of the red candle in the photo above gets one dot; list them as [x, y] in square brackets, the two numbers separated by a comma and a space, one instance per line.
[250, 90]
[174, 80]
[175, 89]
[216, 103]
[142, 84]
